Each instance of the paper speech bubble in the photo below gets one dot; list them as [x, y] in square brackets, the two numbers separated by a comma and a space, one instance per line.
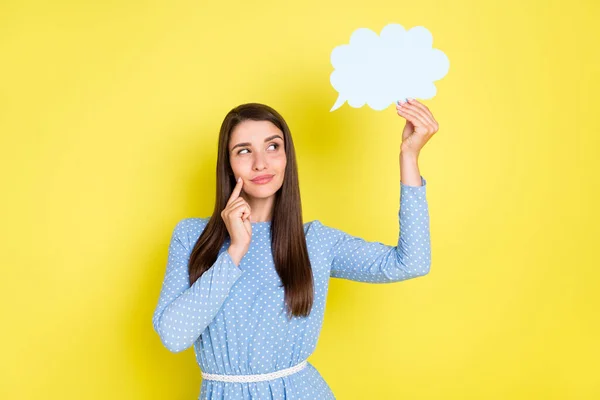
[379, 70]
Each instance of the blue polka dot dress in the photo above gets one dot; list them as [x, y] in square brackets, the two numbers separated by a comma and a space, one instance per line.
[235, 316]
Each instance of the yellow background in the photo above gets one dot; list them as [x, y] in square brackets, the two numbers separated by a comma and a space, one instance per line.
[109, 116]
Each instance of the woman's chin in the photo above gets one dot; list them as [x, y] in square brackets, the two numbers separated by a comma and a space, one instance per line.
[261, 192]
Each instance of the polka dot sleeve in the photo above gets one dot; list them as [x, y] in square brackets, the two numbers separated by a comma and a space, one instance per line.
[356, 259]
[184, 311]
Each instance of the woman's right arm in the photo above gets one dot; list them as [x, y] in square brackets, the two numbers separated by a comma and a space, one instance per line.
[183, 311]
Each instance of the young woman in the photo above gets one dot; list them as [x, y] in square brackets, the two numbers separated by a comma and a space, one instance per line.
[247, 285]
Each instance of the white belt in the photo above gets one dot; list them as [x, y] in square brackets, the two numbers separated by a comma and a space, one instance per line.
[257, 377]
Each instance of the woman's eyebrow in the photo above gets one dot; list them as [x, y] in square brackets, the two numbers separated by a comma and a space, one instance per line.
[249, 144]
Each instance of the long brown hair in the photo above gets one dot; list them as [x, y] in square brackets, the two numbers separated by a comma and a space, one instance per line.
[288, 243]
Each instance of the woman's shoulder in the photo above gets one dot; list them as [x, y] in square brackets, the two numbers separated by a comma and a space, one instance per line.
[188, 229]
[191, 224]
[317, 225]
[325, 232]
[317, 229]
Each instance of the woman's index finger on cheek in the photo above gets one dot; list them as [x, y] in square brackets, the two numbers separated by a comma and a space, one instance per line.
[236, 190]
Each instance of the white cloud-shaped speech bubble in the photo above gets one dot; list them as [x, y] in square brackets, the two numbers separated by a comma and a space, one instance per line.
[379, 70]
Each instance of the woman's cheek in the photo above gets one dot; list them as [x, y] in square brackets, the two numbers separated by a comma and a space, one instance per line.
[237, 167]
[280, 158]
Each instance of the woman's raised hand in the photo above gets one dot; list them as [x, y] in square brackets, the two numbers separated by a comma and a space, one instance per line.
[420, 125]
[237, 220]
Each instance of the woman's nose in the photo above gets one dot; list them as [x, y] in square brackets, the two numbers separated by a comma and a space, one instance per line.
[259, 161]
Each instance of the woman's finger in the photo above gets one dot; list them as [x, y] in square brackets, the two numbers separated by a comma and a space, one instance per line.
[425, 110]
[238, 201]
[236, 191]
[414, 109]
[417, 119]
[243, 208]
[408, 118]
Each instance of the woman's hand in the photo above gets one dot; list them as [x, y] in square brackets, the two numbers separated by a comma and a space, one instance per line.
[236, 216]
[420, 126]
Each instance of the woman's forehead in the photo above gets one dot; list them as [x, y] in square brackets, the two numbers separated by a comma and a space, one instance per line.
[251, 130]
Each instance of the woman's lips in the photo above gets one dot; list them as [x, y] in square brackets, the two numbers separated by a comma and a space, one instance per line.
[262, 181]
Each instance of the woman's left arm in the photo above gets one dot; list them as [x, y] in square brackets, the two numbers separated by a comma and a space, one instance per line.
[357, 259]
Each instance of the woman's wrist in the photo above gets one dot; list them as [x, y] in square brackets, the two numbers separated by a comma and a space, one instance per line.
[409, 156]
[236, 254]
[409, 169]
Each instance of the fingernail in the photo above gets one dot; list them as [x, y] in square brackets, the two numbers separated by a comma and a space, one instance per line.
[410, 99]
[239, 179]
[400, 102]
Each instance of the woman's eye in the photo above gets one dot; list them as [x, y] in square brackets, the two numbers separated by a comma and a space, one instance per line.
[272, 144]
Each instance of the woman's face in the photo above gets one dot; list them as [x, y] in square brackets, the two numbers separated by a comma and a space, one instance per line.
[256, 148]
